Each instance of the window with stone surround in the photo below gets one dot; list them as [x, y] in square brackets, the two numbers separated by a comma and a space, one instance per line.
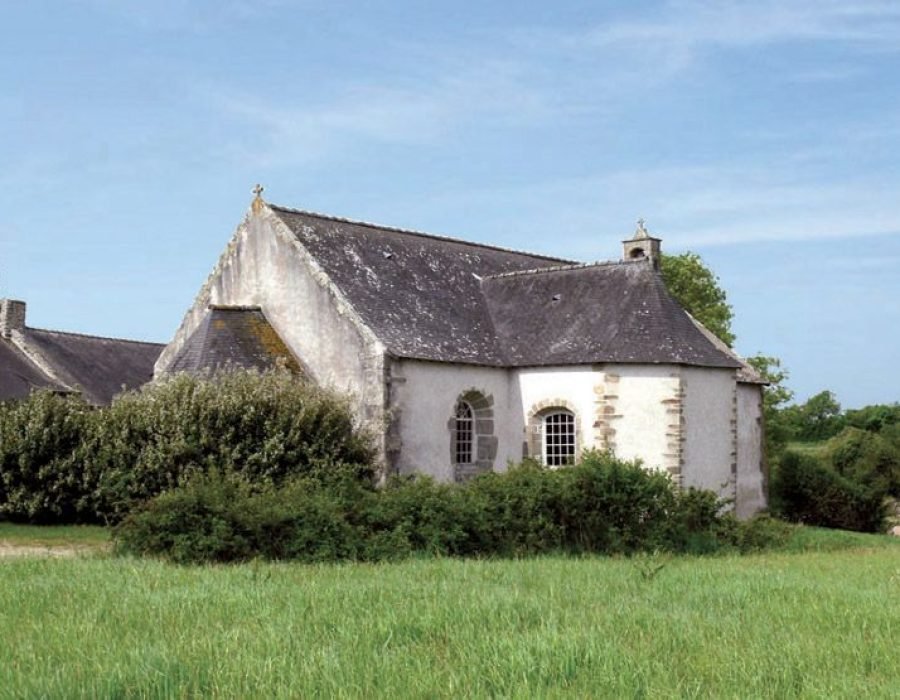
[558, 443]
[553, 432]
[473, 445]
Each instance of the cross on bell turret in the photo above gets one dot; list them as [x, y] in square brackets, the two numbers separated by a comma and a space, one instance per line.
[642, 245]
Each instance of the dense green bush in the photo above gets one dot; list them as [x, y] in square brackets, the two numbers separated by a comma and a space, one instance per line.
[41, 442]
[811, 492]
[61, 461]
[220, 517]
[869, 458]
[601, 505]
[267, 426]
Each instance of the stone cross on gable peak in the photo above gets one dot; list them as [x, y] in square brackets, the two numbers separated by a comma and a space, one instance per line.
[258, 201]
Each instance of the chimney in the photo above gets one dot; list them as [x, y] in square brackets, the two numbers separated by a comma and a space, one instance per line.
[642, 245]
[12, 316]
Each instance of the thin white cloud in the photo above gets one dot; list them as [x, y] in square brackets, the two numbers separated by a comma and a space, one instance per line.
[698, 23]
[289, 132]
[191, 15]
[697, 207]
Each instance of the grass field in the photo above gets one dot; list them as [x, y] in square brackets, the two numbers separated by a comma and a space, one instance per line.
[812, 624]
[813, 449]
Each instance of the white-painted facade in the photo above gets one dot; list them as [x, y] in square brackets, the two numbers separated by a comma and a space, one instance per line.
[750, 490]
[710, 435]
[698, 424]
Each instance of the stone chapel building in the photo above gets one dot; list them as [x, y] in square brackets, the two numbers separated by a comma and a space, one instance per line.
[462, 357]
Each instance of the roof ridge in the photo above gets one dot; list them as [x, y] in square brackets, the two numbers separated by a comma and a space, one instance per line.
[562, 268]
[235, 307]
[95, 337]
[414, 232]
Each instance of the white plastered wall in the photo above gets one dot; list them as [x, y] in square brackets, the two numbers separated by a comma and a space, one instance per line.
[709, 429]
[750, 491]
[264, 265]
[423, 398]
[544, 388]
[642, 405]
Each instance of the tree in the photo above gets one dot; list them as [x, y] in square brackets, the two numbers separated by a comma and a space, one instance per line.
[775, 396]
[697, 289]
[819, 418]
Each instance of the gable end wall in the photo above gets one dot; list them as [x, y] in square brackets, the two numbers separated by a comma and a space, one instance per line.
[264, 265]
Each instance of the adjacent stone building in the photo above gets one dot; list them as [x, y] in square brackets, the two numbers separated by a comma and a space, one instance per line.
[97, 368]
[462, 357]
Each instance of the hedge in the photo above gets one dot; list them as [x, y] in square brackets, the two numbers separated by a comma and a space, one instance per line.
[62, 461]
[601, 505]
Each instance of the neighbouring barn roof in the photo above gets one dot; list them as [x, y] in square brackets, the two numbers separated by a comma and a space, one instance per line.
[98, 368]
[434, 298]
[19, 376]
[234, 336]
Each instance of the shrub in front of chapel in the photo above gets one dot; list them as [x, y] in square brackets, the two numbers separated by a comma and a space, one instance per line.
[221, 517]
[63, 461]
[42, 458]
[267, 427]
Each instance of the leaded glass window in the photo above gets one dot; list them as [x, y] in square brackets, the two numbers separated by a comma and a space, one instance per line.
[464, 433]
[559, 438]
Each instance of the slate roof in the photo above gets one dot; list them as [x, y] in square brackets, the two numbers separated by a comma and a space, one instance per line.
[747, 374]
[234, 336]
[612, 312]
[442, 299]
[97, 367]
[19, 376]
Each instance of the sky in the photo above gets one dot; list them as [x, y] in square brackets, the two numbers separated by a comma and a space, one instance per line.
[764, 136]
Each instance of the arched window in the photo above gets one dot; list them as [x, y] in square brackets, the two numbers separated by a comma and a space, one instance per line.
[463, 433]
[473, 445]
[558, 433]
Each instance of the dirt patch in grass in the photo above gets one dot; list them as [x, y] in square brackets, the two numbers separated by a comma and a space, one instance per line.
[25, 550]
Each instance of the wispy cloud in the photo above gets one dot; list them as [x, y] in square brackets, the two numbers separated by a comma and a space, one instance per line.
[697, 207]
[650, 46]
[290, 132]
[694, 24]
[191, 15]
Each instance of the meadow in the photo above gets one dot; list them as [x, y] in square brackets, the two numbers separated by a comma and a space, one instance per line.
[820, 619]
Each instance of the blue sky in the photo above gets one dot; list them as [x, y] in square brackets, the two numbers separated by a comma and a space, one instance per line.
[764, 136]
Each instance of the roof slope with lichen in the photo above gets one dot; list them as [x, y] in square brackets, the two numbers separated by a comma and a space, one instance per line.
[612, 312]
[420, 294]
[234, 336]
[433, 298]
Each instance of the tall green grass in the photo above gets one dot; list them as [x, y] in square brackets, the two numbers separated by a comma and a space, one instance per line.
[777, 625]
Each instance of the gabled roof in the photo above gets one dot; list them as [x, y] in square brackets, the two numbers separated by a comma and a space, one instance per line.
[234, 336]
[441, 299]
[420, 294]
[99, 368]
[19, 376]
